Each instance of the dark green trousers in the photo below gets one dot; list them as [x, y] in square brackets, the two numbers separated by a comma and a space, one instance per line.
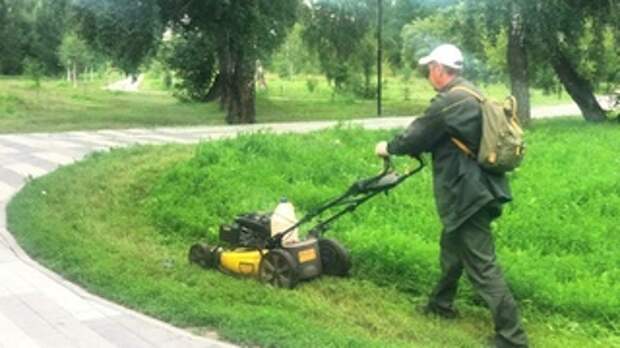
[471, 248]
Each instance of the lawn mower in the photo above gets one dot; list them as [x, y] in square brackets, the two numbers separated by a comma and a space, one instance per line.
[249, 248]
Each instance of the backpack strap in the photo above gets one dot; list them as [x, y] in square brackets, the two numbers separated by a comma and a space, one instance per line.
[461, 145]
[471, 92]
[513, 109]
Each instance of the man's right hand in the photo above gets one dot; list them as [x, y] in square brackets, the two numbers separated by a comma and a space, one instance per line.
[381, 149]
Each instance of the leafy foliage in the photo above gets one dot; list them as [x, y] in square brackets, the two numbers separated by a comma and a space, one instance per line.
[189, 54]
[241, 32]
[15, 35]
[126, 31]
[340, 32]
[74, 53]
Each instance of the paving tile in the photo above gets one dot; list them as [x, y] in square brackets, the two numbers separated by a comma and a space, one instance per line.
[144, 329]
[57, 142]
[54, 157]
[26, 169]
[22, 141]
[10, 177]
[25, 318]
[4, 292]
[70, 331]
[6, 191]
[44, 307]
[7, 150]
[117, 334]
[184, 342]
[12, 281]
[12, 336]
[81, 335]
[95, 141]
[6, 255]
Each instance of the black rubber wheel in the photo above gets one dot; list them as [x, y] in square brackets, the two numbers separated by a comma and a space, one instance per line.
[278, 268]
[202, 255]
[335, 259]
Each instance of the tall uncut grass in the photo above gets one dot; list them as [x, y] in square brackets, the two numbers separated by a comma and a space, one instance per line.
[121, 223]
[558, 241]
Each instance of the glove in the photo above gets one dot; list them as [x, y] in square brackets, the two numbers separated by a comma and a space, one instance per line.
[381, 149]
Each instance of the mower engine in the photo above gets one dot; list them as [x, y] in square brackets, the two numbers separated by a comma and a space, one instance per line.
[250, 230]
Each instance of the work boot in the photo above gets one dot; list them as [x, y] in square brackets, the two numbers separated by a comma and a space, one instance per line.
[498, 342]
[442, 312]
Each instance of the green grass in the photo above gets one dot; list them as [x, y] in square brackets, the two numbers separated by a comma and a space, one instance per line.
[120, 223]
[57, 106]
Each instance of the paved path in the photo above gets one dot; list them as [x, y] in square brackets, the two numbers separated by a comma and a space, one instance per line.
[128, 84]
[40, 309]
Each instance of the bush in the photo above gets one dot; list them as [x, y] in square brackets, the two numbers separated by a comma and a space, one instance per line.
[311, 84]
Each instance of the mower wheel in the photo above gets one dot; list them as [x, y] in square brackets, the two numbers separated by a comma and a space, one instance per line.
[335, 259]
[278, 268]
[202, 255]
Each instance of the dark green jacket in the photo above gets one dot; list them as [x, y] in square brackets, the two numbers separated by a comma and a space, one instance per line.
[461, 187]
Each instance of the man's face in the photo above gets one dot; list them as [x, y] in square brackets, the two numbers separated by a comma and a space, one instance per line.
[435, 75]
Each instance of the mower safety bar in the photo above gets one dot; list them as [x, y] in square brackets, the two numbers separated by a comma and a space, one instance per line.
[357, 194]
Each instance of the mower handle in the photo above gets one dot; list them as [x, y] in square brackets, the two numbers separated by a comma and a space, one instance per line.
[388, 165]
[362, 189]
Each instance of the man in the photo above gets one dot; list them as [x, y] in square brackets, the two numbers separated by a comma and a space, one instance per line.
[467, 197]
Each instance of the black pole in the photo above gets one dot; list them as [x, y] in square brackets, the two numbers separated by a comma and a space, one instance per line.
[379, 53]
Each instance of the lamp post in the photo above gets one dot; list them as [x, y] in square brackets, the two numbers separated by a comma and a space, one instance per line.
[379, 53]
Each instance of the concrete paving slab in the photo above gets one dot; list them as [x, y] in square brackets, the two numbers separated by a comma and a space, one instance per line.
[53, 157]
[28, 321]
[118, 335]
[12, 335]
[6, 191]
[26, 169]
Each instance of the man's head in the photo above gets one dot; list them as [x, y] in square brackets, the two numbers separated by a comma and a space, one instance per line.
[443, 64]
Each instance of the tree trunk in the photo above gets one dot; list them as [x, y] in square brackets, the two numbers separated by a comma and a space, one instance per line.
[242, 90]
[74, 75]
[226, 70]
[578, 87]
[518, 64]
[367, 88]
[216, 89]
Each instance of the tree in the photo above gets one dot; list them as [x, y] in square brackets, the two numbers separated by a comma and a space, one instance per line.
[74, 55]
[196, 70]
[294, 57]
[518, 62]
[548, 34]
[48, 30]
[15, 34]
[450, 25]
[241, 32]
[560, 24]
[126, 32]
[340, 32]
[399, 13]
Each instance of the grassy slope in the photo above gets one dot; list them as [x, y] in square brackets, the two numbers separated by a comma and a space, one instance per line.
[120, 224]
[57, 106]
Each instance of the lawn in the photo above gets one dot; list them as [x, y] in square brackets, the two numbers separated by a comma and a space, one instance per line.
[57, 106]
[120, 223]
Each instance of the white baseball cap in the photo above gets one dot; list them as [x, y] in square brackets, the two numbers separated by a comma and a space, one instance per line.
[446, 54]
